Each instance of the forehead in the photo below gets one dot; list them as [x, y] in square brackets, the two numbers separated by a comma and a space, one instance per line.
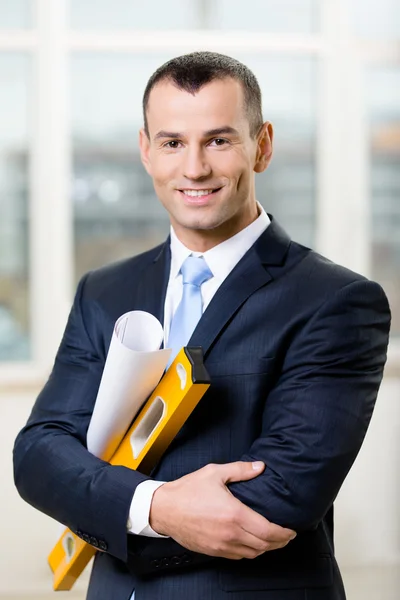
[217, 103]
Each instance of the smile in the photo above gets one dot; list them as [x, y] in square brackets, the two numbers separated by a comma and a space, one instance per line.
[197, 193]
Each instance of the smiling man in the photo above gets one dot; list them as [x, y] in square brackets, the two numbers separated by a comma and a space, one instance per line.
[241, 505]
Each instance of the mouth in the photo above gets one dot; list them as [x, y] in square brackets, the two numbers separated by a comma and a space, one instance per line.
[198, 197]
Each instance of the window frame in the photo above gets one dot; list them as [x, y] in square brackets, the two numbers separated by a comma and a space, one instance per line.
[342, 63]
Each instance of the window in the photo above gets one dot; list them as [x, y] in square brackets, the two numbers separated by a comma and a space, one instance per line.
[14, 229]
[375, 20]
[116, 213]
[383, 92]
[280, 16]
[91, 63]
[15, 14]
[287, 188]
[133, 14]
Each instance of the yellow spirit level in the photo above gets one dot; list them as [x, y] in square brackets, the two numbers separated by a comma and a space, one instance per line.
[158, 422]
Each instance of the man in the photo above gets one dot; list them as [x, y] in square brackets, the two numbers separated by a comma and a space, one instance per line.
[295, 347]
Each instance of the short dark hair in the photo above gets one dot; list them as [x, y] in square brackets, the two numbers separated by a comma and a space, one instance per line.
[190, 72]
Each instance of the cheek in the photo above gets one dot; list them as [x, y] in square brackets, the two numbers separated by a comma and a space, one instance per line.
[234, 164]
[163, 171]
[237, 169]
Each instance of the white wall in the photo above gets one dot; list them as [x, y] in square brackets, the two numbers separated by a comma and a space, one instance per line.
[367, 510]
[27, 535]
[368, 506]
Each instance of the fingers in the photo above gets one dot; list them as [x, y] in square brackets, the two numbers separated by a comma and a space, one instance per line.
[245, 528]
[279, 535]
[250, 553]
[269, 532]
[247, 546]
[240, 471]
[252, 546]
[237, 551]
[249, 520]
[258, 526]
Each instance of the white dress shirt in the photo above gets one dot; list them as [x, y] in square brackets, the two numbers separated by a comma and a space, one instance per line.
[221, 260]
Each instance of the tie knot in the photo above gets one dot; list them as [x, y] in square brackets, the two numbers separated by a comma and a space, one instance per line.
[195, 271]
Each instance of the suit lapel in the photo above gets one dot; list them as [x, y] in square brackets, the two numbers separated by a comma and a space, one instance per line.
[152, 288]
[249, 275]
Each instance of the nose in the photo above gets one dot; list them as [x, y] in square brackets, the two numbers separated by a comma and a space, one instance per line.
[196, 165]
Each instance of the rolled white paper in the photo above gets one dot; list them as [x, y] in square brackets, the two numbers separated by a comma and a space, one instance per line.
[133, 368]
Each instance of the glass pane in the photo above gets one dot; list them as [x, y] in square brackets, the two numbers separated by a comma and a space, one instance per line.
[299, 16]
[287, 188]
[379, 19]
[384, 105]
[14, 301]
[115, 208]
[15, 14]
[133, 14]
[116, 211]
[279, 16]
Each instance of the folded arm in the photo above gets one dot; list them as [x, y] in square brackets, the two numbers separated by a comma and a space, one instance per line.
[53, 469]
[317, 415]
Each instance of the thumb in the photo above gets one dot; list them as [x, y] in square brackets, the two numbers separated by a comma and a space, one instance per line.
[241, 471]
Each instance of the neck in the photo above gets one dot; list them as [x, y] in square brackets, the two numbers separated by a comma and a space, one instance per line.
[201, 240]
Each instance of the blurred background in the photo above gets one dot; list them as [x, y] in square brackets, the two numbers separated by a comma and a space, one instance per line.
[74, 196]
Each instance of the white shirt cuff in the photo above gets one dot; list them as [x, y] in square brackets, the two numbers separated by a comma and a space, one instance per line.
[139, 513]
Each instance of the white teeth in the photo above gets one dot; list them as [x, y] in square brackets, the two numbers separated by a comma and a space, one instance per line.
[197, 192]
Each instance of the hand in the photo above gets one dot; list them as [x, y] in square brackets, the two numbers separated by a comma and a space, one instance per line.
[201, 514]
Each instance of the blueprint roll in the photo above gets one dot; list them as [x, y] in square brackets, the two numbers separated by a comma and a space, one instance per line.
[133, 368]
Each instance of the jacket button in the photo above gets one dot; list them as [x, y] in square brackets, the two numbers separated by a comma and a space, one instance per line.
[155, 563]
[186, 559]
[165, 562]
[176, 560]
[85, 537]
[94, 542]
[102, 545]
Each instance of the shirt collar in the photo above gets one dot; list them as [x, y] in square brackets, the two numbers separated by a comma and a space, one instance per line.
[222, 258]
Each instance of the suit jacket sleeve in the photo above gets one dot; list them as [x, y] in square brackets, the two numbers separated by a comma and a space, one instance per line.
[53, 470]
[316, 417]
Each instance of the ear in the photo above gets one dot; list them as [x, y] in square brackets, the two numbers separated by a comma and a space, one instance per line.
[144, 145]
[264, 147]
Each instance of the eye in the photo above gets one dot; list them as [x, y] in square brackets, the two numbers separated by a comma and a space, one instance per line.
[219, 141]
[173, 144]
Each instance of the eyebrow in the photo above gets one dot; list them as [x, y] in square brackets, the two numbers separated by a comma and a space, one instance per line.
[226, 130]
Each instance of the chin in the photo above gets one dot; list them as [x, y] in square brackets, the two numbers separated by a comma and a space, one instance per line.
[201, 224]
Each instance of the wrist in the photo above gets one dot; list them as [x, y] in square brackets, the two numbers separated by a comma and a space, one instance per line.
[158, 511]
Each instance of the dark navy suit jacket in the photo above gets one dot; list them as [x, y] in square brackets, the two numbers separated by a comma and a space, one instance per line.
[295, 346]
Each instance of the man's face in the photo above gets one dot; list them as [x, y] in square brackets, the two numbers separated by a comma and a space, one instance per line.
[202, 159]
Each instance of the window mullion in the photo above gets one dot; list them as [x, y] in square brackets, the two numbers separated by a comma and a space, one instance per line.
[343, 209]
[51, 227]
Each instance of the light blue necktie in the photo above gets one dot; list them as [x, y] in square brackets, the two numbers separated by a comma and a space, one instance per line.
[194, 273]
